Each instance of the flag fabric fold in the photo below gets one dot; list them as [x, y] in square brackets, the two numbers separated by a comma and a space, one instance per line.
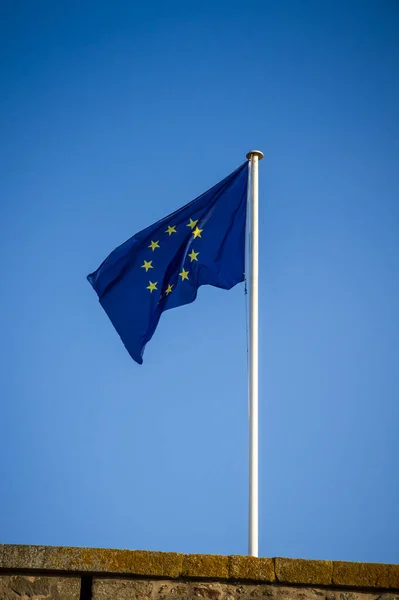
[163, 266]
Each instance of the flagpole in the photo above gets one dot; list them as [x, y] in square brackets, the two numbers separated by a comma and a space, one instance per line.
[253, 526]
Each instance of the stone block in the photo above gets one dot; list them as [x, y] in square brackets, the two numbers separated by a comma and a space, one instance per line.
[17, 587]
[261, 591]
[311, 572]
[21, 557]
[251, 569]
[95, 560]
[171, 590]
[119, 589]
[363, 575]
[393, 574]
[205, 566]
[210, 591]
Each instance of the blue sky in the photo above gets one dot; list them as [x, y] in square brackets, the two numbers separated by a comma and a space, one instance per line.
[112, 116]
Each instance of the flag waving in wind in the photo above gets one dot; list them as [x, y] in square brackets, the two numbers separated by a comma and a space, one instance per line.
[163, 266]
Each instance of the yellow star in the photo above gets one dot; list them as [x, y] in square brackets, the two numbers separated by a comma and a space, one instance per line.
[193, 255]
[168, 289]
[171, 229]
[192, 223]
[183, 274]
[197, 232]
[152, 286]
[147, 265]
[154, 245]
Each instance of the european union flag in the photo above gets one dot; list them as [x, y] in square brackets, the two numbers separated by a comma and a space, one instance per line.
[163, 266]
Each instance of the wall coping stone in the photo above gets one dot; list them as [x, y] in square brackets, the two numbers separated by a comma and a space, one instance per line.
[173, 565]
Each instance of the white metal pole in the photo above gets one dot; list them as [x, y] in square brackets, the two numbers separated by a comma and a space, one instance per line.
[253, 526]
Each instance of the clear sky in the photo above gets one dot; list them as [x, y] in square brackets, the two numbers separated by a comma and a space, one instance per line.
[114, 114]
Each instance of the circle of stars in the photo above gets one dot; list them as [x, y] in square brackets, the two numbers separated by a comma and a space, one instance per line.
[193, 256]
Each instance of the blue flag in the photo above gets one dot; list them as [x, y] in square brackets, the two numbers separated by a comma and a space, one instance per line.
[163, 266]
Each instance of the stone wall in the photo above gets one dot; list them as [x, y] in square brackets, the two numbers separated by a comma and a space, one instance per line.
[59, 573]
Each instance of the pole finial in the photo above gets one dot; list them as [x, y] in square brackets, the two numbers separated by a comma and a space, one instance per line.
[257, 153]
